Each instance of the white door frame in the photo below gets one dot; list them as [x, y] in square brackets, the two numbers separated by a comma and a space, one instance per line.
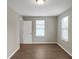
[24, 34]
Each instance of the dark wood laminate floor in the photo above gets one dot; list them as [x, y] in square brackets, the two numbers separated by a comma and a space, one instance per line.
[41, 52]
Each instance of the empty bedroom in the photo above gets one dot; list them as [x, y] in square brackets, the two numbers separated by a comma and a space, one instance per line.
[39, 29]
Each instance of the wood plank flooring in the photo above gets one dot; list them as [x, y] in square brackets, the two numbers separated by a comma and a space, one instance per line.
[50, 51]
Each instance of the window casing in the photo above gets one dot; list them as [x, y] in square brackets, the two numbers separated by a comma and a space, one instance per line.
[64, 28]
[40, 28]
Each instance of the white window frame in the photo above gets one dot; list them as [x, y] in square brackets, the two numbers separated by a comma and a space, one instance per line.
[43, 34]
[64, 28]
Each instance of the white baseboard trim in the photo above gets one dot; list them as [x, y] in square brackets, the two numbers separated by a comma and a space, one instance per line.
[64, 49]
[13, 53]
[41, 43]
[25, 43]
[44, 43]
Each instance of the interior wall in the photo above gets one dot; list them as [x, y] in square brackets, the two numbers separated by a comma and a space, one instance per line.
[50, 29]
[12, 32]
[66, 45]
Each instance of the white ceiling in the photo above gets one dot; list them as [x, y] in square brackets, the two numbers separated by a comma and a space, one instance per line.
[30, 8]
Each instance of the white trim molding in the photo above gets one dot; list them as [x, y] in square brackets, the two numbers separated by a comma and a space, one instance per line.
[64, 49]
[25, 43]
[41, 43]
[44, 43]
[13, 53]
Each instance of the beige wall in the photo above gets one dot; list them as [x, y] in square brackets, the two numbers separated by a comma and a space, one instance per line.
[66, 45]
[50, 30]
[12, 32]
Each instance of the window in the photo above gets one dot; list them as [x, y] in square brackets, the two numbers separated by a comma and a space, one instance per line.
[64, 28]
[40, 28]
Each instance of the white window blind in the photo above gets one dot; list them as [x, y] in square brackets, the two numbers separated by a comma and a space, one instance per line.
[40, 28]
[64, 28]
